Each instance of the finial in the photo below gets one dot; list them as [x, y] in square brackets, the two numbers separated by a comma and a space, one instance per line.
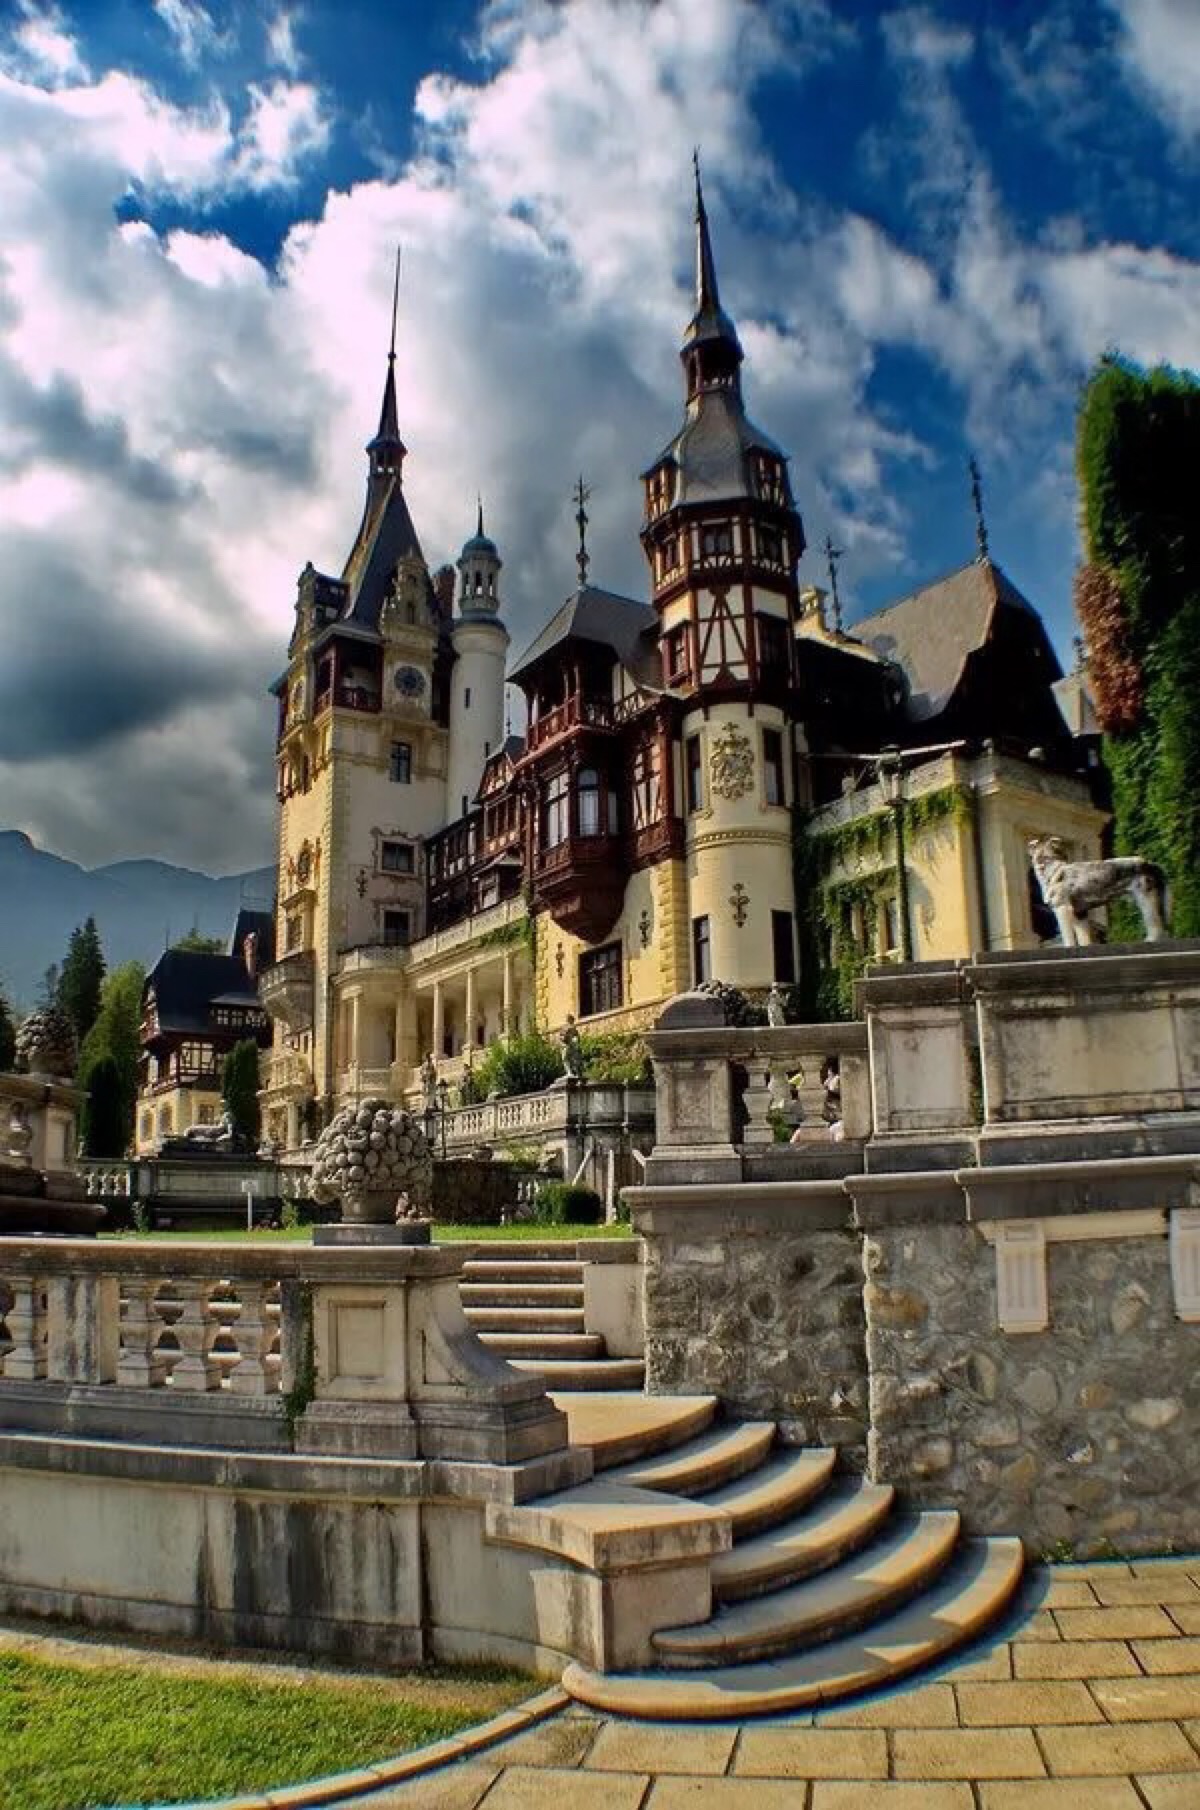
[395, 308]
[981, 533]
[1081, 653]
[832, 556]
[699, 188]
[581, 493]
[479, 523]
[507, 712]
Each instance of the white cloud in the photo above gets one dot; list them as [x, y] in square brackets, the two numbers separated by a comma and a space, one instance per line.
[282, 48]
[193, 29]
[1160, 45]
[285, 126]
[41, 47]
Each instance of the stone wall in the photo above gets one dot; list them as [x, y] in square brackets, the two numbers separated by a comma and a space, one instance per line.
[761, 1306]
[1081, 1436]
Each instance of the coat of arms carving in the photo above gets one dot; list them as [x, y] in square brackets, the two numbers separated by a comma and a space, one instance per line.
[731, 763]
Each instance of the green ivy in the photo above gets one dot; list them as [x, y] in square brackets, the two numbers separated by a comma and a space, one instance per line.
[517, 935]
[304, 1389]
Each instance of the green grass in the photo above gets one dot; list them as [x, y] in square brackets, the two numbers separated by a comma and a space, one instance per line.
[75, 1737]
[525, 1232]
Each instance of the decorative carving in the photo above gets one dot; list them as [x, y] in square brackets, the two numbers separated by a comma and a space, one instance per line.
[1074, 888]
[645, 925]
[739, 898]
[46, 1044]
[572, 1050]
[367, 1157]
[776, 1005]
[361, 881]
[731, 763]
[429, 1082]
[20, 1133]
[560, 960]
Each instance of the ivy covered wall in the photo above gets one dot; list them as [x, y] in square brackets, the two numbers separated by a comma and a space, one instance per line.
[1138, 600]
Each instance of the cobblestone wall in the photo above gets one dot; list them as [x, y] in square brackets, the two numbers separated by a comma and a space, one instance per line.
[765, 1316]
[1082, 1435]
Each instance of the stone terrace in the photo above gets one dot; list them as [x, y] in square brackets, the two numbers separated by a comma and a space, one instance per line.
[1088, 1701]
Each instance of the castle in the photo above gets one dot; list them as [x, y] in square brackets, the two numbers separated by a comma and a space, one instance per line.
[719, 783]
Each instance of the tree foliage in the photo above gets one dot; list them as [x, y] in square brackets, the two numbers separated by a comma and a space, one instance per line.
[115, 1037]
[196, 943]
[106, 1115]
[239, 1087]
[1139, 604]
[8, 1036]
[81, 978]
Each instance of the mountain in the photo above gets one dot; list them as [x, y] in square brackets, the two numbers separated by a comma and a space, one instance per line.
[138, 906]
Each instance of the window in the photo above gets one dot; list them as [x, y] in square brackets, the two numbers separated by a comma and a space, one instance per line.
[695, 774]
[783, 946]
[646, 786]
[701, 952]
[587, 788]
[772, 748]
[889, 925]
[554, 811]
[600, 980]
[397, 857]
[678, 663]
[400, 768]
[770, 546]
[397, 927]
[773, 646]
[466, 697]
[207, 1115]
[716, 543]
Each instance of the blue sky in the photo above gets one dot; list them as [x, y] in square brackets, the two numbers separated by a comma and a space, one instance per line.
[930, 220]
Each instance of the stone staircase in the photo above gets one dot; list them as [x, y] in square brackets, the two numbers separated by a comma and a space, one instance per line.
[526, 1302]
[828, 1588]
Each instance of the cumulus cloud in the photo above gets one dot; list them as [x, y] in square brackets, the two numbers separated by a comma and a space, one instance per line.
[184, 426]
[193, 29]
[41, 47]
[1160, 44]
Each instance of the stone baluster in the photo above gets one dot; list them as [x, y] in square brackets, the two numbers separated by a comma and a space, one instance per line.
[758, 1102]
[254, 1333]
[140, 1365]
[196, 1331]
[26, 1358]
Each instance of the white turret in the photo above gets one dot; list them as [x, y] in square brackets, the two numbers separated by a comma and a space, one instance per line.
[480, 643]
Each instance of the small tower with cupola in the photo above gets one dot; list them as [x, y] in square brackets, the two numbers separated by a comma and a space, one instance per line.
[722, 536]
[480, 642]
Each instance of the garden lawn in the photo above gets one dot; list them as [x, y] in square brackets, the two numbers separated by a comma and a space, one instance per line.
[73, 1737]
[524, 1232]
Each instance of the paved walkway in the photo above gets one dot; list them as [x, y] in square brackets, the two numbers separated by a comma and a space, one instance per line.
[1091, 1701]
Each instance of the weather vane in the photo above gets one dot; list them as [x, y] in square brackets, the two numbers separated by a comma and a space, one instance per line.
[981, 533]
[832, 556]
[395, 308]
[581, 493]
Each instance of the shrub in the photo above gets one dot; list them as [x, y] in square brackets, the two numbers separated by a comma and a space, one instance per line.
[565, 1204]
[521, 1064]
[618, 1058]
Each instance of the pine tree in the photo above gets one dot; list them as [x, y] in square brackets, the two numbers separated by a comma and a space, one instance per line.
[48, 992]
[196, 943]
[81, 978]
[239, 1088]
[8, 1037]
[116, 1037]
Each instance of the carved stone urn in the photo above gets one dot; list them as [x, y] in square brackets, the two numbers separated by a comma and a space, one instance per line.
[46, 1044]
[369, 1156]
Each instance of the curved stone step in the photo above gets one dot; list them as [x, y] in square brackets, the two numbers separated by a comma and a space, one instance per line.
[521, 1294]
[775, 1491]
[551, 1345]
[906, 1560]
[619, 1428]
[838, 1523]
[967, 1596]
[525, 1319]
[706, 1463]
[535, 1271]
[585, 1373]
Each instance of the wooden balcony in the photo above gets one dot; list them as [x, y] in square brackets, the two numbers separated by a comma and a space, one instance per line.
[581, 883]
[577, 713]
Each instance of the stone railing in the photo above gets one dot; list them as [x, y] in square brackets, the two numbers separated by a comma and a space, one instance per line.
[469, 929]
[197, 1344]
[556, 1110]
[287, 1073]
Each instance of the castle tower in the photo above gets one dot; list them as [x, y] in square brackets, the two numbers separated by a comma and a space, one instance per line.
[480, 642]
[722, 536]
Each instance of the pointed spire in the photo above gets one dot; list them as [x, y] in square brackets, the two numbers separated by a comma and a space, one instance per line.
[479, 523]
[387, 449]
[583, 560]
[708, 298]
[833, 557]
[981, 533]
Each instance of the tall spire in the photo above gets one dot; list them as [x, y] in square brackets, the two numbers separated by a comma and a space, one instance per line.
[711, 351]
[387, 449]
[583, 559]
[981, 533]
[707, 296]
[479, 523]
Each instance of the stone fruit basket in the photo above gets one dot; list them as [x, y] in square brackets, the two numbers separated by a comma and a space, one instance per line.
[367, 1157]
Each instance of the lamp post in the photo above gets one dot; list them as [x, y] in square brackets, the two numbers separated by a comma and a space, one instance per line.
[891, 774]
[443, 1096]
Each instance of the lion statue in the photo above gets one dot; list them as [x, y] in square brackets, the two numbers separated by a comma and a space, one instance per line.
[1073, 888]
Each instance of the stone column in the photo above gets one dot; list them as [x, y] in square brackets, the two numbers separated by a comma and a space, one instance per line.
[469, 1028]
[439, 1022]
[506, 997]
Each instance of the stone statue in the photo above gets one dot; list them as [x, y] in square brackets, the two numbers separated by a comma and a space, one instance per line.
[429, 1081]
[572, 1050]
[1073, 888]
[221, 1136]
[20, 1133]
[776, 1006]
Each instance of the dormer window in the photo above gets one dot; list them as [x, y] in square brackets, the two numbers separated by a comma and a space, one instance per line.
[676, 648]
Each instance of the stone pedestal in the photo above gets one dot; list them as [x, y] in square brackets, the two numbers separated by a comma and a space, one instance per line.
[39, 1191]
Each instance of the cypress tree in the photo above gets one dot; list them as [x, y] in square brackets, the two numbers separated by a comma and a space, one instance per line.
[105, 1114]
[116, 1037]
[239, 1087]
[8, 1037]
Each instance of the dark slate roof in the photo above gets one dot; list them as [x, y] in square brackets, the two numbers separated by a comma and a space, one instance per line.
[932, 634]
[711, 451]
[187, 983]
[628, 628]
[385, 537]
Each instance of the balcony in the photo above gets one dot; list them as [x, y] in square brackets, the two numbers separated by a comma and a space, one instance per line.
[470, 929]
[287, 1074]
[581, 883]
[346, 697]
[576, 713]
[373, 958]
[286, 990]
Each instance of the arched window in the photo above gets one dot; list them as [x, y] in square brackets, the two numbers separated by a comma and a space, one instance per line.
[587, 789]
